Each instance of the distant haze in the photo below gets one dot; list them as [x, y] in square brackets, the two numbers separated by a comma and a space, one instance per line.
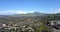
[8, 7]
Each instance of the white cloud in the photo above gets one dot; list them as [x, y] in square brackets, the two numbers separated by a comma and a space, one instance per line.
[7, 12]
[57, 10]
[54, 10]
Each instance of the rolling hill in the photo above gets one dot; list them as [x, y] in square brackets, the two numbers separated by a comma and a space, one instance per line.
[29, 14]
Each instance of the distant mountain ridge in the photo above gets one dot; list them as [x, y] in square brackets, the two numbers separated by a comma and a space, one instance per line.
[29, 14]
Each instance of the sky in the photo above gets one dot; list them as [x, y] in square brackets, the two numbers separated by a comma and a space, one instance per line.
[8, 7]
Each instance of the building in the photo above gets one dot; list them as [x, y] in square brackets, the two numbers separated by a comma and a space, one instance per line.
[2, 25]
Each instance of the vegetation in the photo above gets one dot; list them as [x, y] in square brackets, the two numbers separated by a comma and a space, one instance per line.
[29, 24]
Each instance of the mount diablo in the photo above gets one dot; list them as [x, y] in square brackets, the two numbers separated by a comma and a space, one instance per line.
[29, 14]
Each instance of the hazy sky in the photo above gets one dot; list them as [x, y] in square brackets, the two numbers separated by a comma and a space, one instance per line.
[29, 6]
